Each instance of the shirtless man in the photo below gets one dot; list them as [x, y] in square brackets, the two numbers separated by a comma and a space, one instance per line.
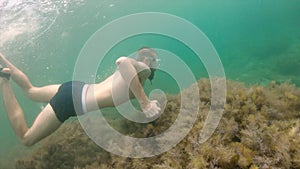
[129, 77]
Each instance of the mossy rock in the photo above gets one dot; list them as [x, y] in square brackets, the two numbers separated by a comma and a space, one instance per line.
[259, 129]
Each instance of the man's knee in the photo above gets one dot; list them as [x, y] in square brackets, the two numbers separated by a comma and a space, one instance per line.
[32, 93]
[28, 142]
[29, 91]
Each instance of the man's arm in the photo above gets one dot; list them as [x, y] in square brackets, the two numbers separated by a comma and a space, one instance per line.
[128, 70]
[130, 75]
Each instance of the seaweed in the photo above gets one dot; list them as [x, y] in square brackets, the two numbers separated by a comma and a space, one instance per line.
[260, 128]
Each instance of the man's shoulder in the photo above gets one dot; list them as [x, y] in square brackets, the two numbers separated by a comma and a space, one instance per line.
[142, 69]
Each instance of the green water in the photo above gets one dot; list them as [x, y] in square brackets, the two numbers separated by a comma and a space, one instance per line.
[258, 41]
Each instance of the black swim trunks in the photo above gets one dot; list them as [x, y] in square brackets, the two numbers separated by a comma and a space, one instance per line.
[67, 101]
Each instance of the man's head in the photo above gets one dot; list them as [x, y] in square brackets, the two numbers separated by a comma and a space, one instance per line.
[149, 57]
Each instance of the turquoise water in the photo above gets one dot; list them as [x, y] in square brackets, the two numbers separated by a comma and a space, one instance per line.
[258, 41]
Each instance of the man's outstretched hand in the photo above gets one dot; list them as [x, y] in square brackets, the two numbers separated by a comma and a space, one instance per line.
[152, 109]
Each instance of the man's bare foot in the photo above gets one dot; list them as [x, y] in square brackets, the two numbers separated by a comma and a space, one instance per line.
[5, 73]
[4, 79]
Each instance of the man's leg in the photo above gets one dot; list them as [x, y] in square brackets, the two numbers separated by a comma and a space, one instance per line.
[45, 123]
[39, 94]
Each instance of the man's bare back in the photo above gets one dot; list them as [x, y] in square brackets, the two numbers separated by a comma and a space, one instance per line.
[103, 91]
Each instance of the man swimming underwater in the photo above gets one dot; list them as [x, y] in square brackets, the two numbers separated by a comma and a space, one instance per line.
[76, 98]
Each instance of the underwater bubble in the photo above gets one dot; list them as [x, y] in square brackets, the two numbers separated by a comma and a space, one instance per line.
[27, 20]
